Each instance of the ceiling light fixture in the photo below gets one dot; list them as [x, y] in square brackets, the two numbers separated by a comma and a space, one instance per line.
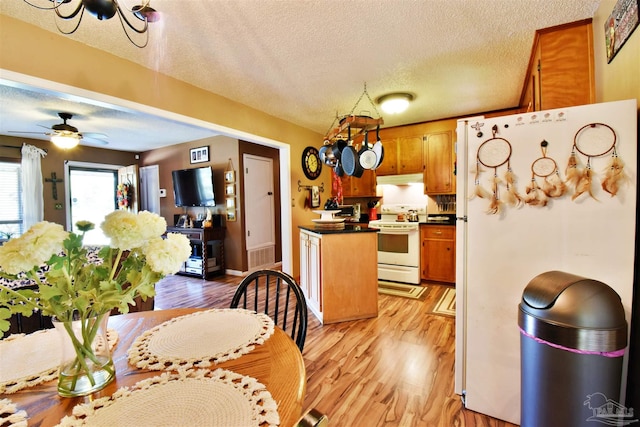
[394, 103]
[64, 135]
[66, 140]
[105, 9]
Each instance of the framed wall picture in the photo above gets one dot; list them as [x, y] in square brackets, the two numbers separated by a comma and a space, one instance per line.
[315, 196]
[199, 155]
[230, 189]
[230, 176]
[623, 20]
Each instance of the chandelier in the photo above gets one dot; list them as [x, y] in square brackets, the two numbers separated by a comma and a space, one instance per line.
[105, 9]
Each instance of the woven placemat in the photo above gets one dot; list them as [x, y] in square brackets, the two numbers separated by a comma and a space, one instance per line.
[200, 339]
[199, 397]
[32, 359]
[10, 416]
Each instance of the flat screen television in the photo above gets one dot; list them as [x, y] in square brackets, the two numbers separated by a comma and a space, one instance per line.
[193, 187]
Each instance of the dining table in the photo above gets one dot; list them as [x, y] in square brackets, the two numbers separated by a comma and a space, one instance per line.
[276, 363]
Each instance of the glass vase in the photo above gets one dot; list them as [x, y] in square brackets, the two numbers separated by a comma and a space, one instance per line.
[86, 365]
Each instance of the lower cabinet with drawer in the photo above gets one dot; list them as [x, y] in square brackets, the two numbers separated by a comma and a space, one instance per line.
[438, 253]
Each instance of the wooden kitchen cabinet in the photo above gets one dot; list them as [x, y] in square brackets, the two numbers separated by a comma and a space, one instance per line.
[439, 174]
[402, 155]
[365, 186]
[561, 68]
[339, 274]
[310, 263]
[438, 253]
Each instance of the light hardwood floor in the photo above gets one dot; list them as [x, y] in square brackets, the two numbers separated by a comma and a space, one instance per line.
[394, 370]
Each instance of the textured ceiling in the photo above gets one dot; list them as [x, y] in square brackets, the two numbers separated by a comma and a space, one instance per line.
[304, 61]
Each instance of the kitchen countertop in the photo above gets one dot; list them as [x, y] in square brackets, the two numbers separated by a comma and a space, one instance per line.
[348, 228]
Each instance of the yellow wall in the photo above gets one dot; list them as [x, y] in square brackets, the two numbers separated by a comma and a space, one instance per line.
[621, 78]
[29, 50]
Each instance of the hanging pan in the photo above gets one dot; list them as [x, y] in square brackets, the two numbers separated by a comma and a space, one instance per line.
[378, 149]
[367, 156]
[349, 160]
[337, 148]
[322, 153]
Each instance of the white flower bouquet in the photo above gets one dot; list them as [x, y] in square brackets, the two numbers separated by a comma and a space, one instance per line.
[76, 288]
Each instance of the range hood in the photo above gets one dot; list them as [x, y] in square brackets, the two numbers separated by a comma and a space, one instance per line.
[405, 179]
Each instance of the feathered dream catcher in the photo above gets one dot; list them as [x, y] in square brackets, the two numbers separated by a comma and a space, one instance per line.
[552, 185]
[594, 140]
[493, 153]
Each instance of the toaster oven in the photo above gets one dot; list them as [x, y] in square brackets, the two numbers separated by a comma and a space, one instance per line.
[350, 212]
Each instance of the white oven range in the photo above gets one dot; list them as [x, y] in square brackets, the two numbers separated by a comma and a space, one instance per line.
[399, 242]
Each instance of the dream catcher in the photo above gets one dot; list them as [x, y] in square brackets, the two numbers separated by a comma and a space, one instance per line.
[552, 185]
[492, 154]
[594, 140]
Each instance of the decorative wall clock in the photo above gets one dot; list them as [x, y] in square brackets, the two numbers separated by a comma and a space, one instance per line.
[311, 164]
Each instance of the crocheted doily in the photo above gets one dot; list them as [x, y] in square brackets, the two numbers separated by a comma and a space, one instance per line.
[200, 339]
[189, 397]
[10, 416]
[29, 360]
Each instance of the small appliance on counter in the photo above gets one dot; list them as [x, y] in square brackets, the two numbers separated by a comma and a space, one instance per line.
[350, 213]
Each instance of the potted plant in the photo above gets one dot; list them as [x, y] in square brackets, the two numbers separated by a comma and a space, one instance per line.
[80, 293]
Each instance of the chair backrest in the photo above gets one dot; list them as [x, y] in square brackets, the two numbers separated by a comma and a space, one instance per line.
[20, 324]
[277, 295]
[313, 418]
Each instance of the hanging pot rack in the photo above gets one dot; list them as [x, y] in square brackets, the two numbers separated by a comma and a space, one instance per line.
[351, 122]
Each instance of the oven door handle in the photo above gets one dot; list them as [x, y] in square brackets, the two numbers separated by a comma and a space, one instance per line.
[396, 230]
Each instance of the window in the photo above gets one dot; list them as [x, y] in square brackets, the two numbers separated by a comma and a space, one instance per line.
[91, 196]
[10, 198]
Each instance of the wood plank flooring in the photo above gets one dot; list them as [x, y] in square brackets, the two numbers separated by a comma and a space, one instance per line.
[394, 370]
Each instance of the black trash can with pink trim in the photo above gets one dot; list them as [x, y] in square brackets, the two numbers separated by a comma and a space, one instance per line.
[573, 336]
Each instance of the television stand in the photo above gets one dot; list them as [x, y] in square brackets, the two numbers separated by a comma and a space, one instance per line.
[207, 251]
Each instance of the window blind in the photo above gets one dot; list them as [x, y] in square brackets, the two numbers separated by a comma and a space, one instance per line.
[10, 199]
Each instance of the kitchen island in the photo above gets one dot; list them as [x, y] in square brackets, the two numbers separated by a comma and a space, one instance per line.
[339, 272]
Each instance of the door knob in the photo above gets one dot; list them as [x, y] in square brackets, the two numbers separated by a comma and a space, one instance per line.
[270, 193]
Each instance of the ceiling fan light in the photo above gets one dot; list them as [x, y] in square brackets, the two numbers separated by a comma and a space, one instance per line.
[65, 141]
[395, 103]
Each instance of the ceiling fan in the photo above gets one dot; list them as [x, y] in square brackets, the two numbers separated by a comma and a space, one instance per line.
[66, 136]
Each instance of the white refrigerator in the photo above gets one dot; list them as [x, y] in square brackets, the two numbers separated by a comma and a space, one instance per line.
[501, 247]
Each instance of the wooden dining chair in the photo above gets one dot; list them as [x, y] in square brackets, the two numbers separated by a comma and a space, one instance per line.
[279, 296]
[20, 324]
[313, 418]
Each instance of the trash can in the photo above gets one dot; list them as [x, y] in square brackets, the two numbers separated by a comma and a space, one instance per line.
[573, 335]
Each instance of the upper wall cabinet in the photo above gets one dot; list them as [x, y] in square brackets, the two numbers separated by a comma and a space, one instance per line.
[439, 155]
[402, 154]
[561, 68]
[365, 186]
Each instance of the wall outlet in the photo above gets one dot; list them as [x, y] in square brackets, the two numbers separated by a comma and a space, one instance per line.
[163, 192]
[58, 206]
